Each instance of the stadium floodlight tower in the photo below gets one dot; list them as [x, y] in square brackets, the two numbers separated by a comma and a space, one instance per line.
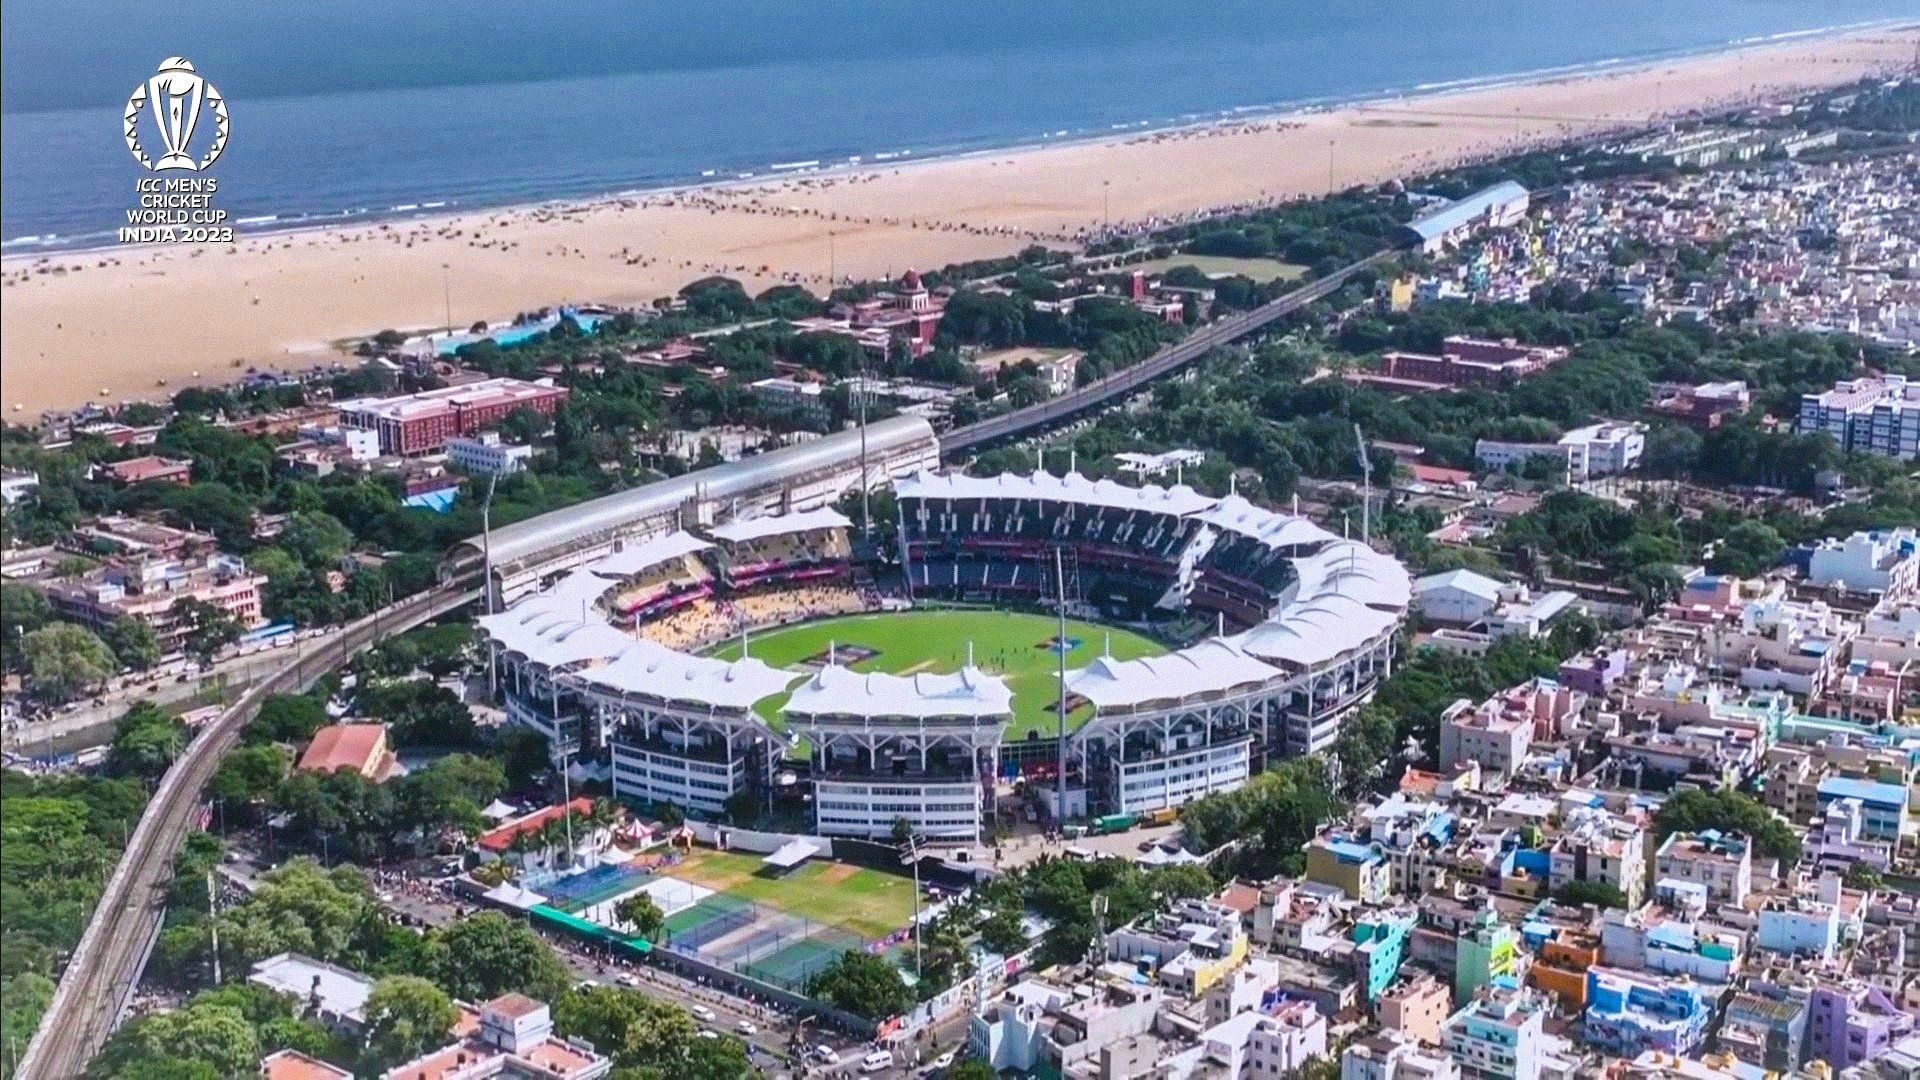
[888, 748]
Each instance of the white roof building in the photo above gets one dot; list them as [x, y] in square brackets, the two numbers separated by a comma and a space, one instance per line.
[331, 994]
[839, 691]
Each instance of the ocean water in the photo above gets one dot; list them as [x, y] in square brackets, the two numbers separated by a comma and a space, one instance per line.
[362, 108]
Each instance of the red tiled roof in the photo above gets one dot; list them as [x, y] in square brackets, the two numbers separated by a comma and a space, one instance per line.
[360, 747]
[499, 839]
[294, 1065]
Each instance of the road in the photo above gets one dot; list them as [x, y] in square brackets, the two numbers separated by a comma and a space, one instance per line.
[105, 967]
[91, 723]
[964, 441]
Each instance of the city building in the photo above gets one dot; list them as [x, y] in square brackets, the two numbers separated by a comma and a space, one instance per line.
[1596, 846]
[1882, 562]
[1487, 953]
[1883, 807]
[486, 455]
[151, 469]
[1284, 1040]
[361, 748]
[1493, 207]
[1849, 1025]
[1388, 1055]
[514, 1041]
[1706, 405]
[1417, 1007]
[1877, 414]
[294, 1065]
[327, 994]
[1722, 862]
[1629, 1013]
[1499, 1034]
[1604, 449]
[803, 399]
[422, 423]
[150, 590]
[1358, 869]
[1192, 947]
[16, 486]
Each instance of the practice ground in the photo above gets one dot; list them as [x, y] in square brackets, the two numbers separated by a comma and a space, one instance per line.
[1260, 270]
[1013, 644]
[868, 903]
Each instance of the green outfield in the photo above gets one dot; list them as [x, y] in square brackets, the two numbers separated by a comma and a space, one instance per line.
[1012, 644]
[864, 902]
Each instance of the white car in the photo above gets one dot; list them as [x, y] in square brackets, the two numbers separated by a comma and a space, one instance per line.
[702, 1012]
[629, 979]
[709, 1033]
[826, 1055]
[944, 1060]
[747, 1027]
[876, 1061]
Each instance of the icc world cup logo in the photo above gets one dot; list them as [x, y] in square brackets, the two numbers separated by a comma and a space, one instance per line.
[178, 93]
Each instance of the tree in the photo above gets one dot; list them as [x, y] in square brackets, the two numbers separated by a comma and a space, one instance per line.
[23, 609]
[133, 642]
[1862, 876]
[863, 984]
[971, 1069]
[642, 914]
[289, 718]
[1749, 549]
[252, 773]
[210, 628]
[63, 658]
[902, 831]
[1598, 893]
[490, 954]
[646, 1037]
[317, 539]
[406, 1016]
[1695, 810]
[145, 742]
[301, 907]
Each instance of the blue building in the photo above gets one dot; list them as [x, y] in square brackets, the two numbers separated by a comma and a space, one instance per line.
[1883, 806]
[1629, 1013]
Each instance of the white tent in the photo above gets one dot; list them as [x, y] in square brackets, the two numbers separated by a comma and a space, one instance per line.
[791, 854]
[499, 811]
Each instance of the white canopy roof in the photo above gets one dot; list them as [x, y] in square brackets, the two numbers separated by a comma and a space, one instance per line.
[737, 532]
[840, 691]
[509, 894]
[498, 810]
[636, 557]
[1351, 569]
[791, 854]
[1179, 500]
[1213, 666]
[1315, 631]
[1236, 514]
[650, 669]
[554, 639]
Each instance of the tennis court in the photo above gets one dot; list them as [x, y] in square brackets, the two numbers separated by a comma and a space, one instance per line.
[593, 886]
[782, 927]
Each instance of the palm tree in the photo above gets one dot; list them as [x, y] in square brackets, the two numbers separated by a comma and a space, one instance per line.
[554, 835]
[604, 814]
[522, 845]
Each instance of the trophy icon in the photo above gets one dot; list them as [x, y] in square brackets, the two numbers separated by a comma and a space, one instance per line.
[178, 93]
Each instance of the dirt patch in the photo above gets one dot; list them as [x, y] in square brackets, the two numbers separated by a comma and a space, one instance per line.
[837, 873]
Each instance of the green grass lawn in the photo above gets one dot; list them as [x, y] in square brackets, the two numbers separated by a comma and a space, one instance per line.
[1004, 643]
[866, 902]
[1260, 270]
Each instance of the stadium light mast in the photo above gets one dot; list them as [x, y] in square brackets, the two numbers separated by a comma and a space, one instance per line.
[1366, 479]
[866, 488]
[1060, 646]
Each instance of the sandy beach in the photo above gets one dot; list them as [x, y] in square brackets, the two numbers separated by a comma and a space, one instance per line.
[108, 325]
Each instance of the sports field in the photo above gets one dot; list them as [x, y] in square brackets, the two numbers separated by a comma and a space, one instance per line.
[864, 902]
[1014, 644]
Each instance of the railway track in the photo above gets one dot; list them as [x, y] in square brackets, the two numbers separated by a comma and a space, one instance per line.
[964, 441]
[100, 977]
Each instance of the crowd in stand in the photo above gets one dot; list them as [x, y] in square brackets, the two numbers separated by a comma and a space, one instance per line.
[707, 622]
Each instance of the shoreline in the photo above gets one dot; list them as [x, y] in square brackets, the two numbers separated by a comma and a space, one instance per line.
[139, 323]
[295, 222]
